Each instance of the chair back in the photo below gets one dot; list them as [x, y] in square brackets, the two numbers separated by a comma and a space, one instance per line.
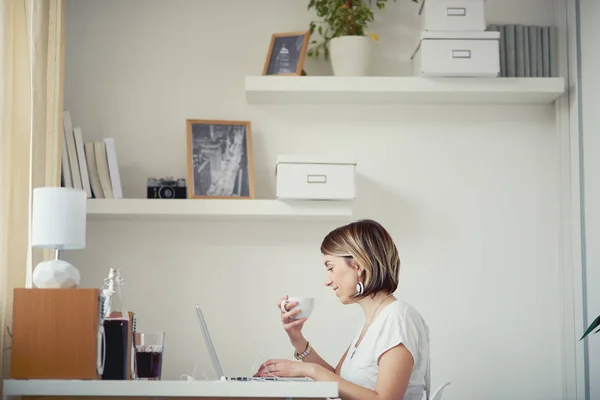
[437, 395]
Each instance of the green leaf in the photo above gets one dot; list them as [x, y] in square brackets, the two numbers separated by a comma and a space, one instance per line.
[592, 326]
[341, 18]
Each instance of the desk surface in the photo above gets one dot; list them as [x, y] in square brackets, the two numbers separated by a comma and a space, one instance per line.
[262, 389]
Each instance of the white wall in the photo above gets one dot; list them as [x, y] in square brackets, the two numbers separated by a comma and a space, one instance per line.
[589, 81]
[471, 195]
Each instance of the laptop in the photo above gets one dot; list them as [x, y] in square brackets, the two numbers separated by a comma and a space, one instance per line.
[217, 364]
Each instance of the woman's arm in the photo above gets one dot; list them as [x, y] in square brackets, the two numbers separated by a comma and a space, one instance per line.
[284, 367]
[395, 368]
[312, 357]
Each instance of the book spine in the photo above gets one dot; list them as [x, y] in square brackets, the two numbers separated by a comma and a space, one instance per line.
[511, 54]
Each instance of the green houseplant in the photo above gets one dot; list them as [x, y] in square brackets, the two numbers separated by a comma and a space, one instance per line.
[343, 27]
[593, 325]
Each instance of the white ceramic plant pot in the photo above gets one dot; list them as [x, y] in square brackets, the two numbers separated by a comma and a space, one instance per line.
[350, 55]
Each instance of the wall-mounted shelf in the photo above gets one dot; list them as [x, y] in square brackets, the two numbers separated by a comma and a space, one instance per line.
[410, 90]
[235, 209]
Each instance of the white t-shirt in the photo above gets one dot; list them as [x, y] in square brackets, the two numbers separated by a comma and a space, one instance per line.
[398, 322]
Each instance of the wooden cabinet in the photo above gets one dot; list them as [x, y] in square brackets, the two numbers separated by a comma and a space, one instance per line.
[57, 334]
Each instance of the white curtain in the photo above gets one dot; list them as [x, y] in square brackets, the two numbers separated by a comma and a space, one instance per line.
[31, 97]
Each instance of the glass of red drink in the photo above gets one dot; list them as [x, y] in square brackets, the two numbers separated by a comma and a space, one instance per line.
[149, 348]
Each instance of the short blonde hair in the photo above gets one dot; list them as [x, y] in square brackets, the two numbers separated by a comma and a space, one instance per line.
[370, 245]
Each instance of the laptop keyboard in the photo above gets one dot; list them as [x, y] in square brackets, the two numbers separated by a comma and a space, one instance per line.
[265, 378]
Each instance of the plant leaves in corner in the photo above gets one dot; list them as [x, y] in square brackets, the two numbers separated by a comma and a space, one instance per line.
[593, 326]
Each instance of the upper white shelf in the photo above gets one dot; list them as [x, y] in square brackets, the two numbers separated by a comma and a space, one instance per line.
[13, 387]
[236, 209]
[410, 90]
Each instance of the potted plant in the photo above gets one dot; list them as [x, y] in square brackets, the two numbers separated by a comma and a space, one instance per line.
[343, 28]
[593, 325]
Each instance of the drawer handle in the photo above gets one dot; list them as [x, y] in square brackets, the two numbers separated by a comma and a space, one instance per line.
[461, 53]
[456, 12]
[316, 178]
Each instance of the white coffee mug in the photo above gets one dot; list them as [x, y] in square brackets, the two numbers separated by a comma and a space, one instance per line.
[305, 304]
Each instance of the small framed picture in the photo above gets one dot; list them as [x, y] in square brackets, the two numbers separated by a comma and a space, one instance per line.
[219, 157]
[286, 53]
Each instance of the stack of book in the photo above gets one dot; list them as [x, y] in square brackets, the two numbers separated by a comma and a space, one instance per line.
[91, 166]
[527, 51]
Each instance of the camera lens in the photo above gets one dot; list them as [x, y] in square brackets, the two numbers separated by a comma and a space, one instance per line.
[166, 192]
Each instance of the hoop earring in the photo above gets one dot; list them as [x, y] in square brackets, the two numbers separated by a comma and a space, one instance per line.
[360, 288]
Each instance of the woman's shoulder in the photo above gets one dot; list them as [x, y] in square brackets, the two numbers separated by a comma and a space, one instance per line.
[402, 308]
[400, 322]
[404, 315]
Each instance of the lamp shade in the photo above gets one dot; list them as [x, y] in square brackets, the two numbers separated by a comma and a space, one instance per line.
[58, 218]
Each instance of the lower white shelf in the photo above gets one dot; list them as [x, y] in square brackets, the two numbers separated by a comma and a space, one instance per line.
[286, 389]
[236, 209]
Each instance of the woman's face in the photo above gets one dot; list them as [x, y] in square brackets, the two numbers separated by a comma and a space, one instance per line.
[341, 278]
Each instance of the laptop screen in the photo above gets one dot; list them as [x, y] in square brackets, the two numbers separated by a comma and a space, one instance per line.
[209, 343]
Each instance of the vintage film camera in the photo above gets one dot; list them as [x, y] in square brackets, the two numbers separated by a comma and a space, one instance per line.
[166, 188]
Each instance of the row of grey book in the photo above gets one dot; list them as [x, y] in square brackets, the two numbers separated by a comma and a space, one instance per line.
[527, 50]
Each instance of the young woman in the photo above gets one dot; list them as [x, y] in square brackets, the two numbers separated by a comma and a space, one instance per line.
[388, 358]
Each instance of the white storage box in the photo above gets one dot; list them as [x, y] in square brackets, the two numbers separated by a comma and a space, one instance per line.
[458, 54]
[453, 15]
[315, 178]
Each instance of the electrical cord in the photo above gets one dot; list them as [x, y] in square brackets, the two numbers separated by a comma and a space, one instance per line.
[193, 376]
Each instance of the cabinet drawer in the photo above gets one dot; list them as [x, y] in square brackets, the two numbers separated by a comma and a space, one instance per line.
[453, 15]
[458, 57]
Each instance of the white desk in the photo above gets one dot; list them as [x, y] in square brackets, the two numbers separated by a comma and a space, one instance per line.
[201, 389]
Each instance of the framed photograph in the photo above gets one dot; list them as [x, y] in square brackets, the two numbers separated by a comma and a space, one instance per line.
[219, 156]
[286, 53]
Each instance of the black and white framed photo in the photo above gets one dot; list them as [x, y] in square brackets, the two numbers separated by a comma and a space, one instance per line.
[219, 156]
[286, 53]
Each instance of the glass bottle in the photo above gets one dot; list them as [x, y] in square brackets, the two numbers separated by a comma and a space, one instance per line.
[116, 328]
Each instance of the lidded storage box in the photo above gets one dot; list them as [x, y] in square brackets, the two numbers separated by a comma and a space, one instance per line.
[458, 54]
[301, 177]
[453, 15]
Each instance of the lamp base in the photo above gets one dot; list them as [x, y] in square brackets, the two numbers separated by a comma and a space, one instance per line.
[56, 274]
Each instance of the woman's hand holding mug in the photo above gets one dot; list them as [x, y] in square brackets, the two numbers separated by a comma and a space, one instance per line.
[294, 313]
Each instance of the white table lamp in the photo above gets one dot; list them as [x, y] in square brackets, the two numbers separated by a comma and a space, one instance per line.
[58, 222]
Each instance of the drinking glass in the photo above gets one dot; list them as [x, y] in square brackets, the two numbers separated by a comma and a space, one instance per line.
[149, 348]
